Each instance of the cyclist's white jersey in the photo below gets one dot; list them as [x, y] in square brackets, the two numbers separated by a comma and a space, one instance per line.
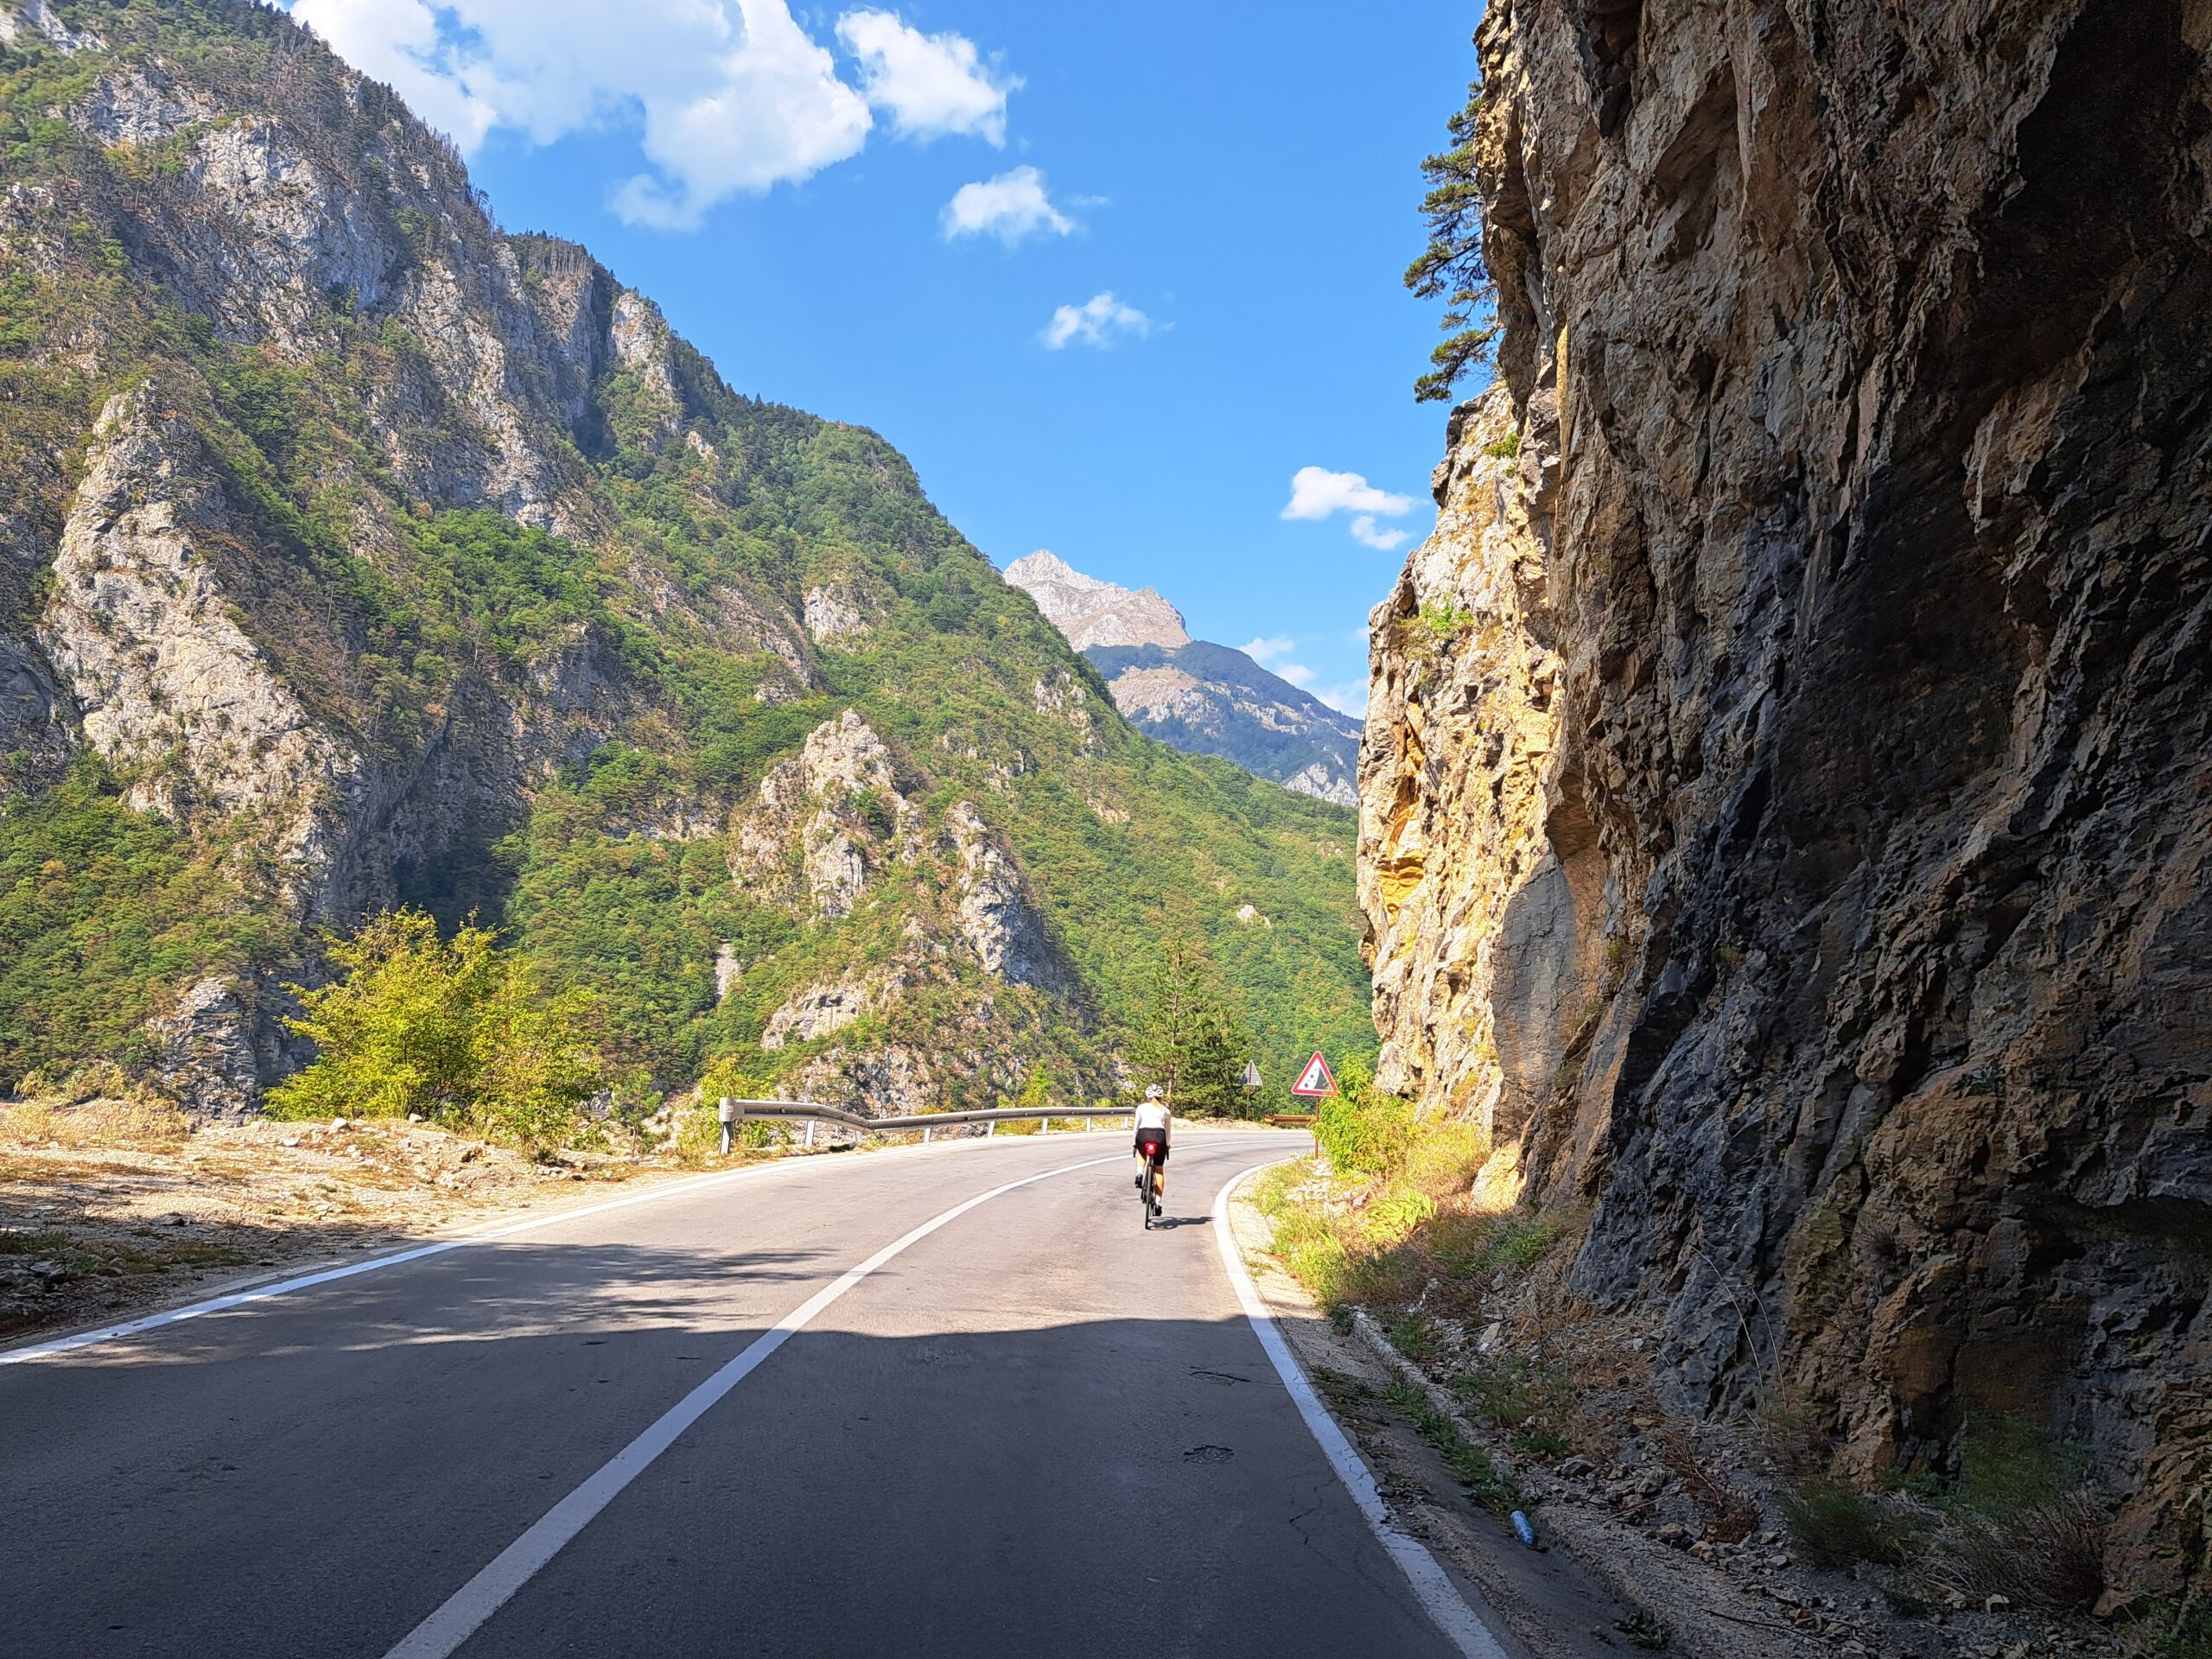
[1152, 1116]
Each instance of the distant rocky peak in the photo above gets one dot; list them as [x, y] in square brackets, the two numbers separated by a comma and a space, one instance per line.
[1094, 612]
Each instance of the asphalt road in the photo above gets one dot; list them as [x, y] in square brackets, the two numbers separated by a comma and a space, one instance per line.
[1037, 1430]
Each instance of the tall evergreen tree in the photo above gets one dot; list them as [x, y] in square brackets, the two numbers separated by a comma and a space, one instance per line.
[1192, 1042]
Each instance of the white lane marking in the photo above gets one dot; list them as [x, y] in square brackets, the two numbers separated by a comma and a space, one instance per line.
[468, 1608]
[371, 1264]
[1432, 1586]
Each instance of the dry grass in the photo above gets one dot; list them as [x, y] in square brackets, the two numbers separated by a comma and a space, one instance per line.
[121, 1124]
[2048, 1555]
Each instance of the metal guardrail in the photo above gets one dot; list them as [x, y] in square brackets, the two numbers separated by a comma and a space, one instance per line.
[737, 1111]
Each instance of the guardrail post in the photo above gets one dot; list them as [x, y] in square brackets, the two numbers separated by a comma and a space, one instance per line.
[1045, 1125]
[927, 1133]
[809, 1135]
[990, 1128]
[728, 1116]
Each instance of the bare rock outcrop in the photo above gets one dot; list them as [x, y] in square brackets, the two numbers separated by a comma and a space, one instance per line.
[168, 687]
[816, 1013]
[1094, 612]
[1798, 851]
[208, 1061]
[998, 918]
[1469, 894]
[20, 17]
[834, 615]
[823, 818]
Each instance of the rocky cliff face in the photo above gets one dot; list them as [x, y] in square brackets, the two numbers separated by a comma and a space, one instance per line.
[1203, 698]
[1786, 790]
[354, 552]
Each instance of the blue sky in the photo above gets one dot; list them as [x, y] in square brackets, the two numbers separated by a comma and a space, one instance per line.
[1122, 280]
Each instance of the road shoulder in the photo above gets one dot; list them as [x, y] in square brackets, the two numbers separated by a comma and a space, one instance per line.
[1585, 1593]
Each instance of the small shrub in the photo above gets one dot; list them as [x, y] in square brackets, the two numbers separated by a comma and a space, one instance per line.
[1521, 1241]
[1837, 1527]
[1388, 1220]
[1504, 449]
[1415, 1336]
[2177, 1632]
[1362, 1130]
[1446, 620]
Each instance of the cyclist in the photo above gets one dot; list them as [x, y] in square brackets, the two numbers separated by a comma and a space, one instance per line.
[1155, 1124]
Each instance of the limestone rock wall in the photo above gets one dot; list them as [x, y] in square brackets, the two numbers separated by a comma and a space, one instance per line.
[1799, 855]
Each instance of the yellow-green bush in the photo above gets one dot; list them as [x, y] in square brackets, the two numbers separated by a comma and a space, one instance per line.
[1389, 1219]
[1362, 1130]
[455, 1030]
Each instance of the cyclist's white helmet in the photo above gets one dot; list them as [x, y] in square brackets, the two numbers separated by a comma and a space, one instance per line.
[1155, 1093]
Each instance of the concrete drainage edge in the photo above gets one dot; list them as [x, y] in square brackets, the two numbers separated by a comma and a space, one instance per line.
[1608, 1570]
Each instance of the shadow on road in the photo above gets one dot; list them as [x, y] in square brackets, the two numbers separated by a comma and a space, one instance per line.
[950, 1471]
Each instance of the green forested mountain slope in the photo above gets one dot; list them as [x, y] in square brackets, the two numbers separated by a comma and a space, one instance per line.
[353, 552]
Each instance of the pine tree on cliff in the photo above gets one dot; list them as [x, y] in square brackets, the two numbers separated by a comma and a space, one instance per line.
[1451, 267]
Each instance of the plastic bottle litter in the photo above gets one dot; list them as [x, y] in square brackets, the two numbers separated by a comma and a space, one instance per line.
[1524, 1530]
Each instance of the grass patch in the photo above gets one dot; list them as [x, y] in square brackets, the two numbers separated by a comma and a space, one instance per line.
[38, 1243]
[119, 1124]
[1837, 1527]
[1469, 1464]
[1388, 1208]
[2007, 1466]
[2049, 1554]
[1526, 1405]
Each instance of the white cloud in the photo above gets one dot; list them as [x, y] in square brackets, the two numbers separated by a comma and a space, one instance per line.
[1349, 698]
[777, 113]
[397, 42]
[1266, 651]
[1297, 673]
[932, 83]
[1316, 493]
[729, 97]
[1094, 322]
[1364, 529]
[1011, 206]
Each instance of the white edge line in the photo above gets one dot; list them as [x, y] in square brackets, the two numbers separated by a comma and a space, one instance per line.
[1433, 1587]
[465, 1611]
[371, 1264]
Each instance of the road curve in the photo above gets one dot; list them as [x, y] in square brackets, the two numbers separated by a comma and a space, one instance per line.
[1035, 1430]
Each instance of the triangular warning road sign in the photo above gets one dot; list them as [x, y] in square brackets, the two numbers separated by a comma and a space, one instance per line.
[1315, 1080]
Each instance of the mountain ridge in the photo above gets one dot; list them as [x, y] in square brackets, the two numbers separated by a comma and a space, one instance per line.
[1203, 698]
[357, 553]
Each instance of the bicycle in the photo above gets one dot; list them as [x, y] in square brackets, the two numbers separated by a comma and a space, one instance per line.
[1148, 1189]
